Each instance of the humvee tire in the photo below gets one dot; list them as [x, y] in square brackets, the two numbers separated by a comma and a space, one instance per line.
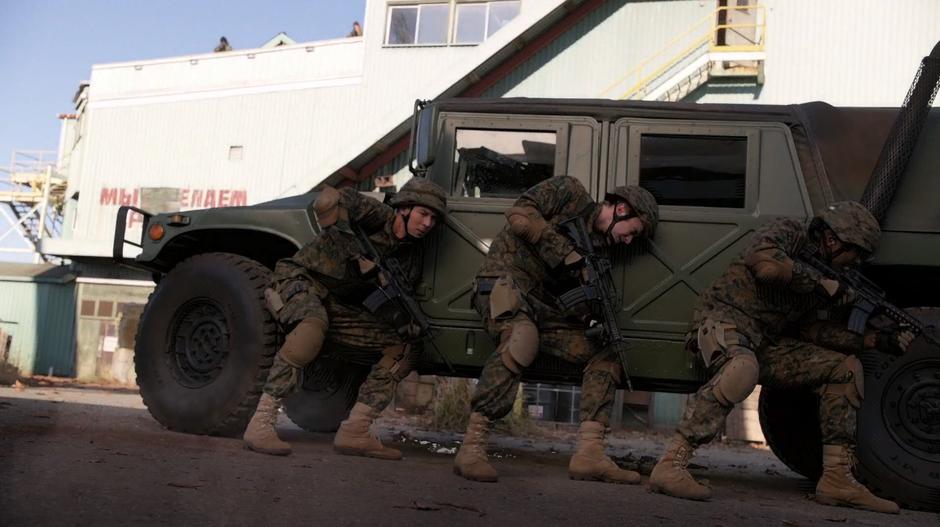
[898, 425]
[790, 422]
[327, 393]
[205, 344]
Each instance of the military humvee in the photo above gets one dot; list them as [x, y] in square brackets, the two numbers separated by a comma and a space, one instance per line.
[206, 340]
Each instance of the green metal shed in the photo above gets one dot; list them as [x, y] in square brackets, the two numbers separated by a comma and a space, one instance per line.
[37, 309]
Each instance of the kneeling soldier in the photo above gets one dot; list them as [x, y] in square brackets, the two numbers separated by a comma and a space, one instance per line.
[318, 296]
[738, 329]
[516, 292]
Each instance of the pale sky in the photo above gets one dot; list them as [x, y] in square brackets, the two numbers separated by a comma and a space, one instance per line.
[48, 46]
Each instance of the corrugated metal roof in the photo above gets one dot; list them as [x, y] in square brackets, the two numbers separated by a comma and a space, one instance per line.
[17, 272]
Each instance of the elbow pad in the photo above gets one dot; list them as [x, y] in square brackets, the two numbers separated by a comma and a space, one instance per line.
[526, 223]
[327, 209]
[770, 271]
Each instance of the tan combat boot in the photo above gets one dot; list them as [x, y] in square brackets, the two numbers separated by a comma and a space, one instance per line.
[837, 485]
[670, 476]
[261, 435]
[589, 462]
[355, 439]
[471, 462]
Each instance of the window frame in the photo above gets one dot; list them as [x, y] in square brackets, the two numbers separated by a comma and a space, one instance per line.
[450, 33]
[628, 138]
[455, 174]
[514, 123]
[390, 7]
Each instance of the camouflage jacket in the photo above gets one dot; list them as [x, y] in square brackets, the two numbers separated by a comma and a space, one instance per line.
[531, 265]
[764, 312]
[330, 264]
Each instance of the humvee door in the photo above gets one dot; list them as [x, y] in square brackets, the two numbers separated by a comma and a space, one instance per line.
[715, 183]
[486, 162]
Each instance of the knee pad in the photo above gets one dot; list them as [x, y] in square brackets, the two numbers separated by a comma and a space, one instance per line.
[848, 380]
[304, 342]
[399, 360]
[736, 379]
[519, 345]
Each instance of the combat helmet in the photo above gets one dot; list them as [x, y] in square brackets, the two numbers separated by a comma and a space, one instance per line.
[423, 192]
[643, 204]
[852, 223]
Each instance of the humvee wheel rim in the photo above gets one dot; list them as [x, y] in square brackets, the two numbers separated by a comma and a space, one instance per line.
[911, 408]
[200, 343]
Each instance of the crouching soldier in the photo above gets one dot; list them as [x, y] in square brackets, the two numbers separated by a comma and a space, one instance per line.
[739, 330]
[318, 299]
[516, 291]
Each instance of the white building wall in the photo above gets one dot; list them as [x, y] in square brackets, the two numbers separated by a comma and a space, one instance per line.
[844, 52]
[299, 112]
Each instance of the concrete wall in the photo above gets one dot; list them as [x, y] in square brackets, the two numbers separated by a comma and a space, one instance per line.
[100, 354]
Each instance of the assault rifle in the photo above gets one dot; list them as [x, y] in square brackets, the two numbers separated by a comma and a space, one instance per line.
[598, 291]
[869, 298]
[392, 302]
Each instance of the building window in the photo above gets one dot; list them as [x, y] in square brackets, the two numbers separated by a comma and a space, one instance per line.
[694, 170]
[478, 21]
[429, 23]
[501, 163]
[236, 153]
[417, 24]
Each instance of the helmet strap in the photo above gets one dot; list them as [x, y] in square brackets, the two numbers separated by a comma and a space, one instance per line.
[617, 218]
[405, 221]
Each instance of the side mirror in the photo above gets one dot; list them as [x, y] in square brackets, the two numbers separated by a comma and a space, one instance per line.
[423, 137]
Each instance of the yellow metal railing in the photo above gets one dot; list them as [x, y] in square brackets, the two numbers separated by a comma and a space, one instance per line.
[704, 32]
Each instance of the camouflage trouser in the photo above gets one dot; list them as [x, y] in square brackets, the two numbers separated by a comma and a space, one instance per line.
[347, 326]
[498, 385]
[789, 363]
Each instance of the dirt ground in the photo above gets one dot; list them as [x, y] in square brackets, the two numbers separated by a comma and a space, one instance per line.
[80, 456]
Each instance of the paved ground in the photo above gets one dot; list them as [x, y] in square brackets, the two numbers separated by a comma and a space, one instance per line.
[96, 457]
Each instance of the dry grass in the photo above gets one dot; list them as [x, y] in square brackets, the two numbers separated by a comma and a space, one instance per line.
[452, 410]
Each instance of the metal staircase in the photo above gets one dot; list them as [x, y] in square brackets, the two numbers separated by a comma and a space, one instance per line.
[33, 191]
[729, 42]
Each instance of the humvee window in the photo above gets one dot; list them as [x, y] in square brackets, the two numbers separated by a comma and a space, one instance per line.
[694, 170]
[501, 163]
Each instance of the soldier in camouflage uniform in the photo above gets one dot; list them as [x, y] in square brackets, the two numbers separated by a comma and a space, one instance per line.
[317, 297]
[759, 323]
[529, 263]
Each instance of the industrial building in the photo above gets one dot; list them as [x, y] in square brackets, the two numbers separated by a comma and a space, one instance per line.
[249, 125]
